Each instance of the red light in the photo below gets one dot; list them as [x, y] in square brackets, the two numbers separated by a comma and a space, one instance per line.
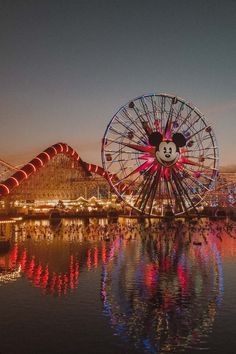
[34, 168]
[95, 257]
[54, 149]
[61, 147]
[17, 183]
[24, 173]
[41, 162]
[7, 189]
[104, 255]
[89, 259]
[49, 158]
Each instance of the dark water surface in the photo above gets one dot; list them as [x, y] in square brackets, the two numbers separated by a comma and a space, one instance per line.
[120, 288]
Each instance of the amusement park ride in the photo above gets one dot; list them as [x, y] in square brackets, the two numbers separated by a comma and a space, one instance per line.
[164, 152]
[159, 155]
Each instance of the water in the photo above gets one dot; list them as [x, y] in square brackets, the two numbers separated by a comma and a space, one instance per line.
[121, 288]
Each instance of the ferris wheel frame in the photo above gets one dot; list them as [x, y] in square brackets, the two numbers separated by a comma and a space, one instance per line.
[153, 106]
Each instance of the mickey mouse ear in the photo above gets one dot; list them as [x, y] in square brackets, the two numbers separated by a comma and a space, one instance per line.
[155, 139]
[179, 139]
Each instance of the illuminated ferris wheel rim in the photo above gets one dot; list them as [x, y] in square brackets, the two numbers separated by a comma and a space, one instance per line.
[184, 105]
[187, 103]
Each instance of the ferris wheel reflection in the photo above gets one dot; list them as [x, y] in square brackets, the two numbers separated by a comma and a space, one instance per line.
[164, 294]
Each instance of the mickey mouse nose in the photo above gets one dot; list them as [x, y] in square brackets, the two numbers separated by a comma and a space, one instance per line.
[167, 155]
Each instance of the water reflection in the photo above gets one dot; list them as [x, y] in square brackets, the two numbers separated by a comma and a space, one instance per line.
[161, 283]
[50, 257]
[162, 290]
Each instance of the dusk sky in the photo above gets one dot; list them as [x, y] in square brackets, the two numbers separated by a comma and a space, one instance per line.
[67, 66]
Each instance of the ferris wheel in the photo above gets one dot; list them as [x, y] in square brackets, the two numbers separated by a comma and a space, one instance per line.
[160, 154]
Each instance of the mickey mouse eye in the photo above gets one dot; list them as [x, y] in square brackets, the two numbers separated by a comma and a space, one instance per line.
[170, 150]
[165, 150]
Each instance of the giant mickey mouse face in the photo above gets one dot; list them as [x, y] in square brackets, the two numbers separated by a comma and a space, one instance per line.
[167, 151]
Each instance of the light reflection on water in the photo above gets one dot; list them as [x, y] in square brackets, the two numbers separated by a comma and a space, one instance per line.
[160, 291]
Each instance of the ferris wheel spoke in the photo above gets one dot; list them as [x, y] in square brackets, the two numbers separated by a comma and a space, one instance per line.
[185, 119]
[140, 191]
[154, 108]
[182, 189]
[186, 182]
[192, 125]
[127, 145]
[196, 181]
[197, 132]
[133, 122]
[123, 152]
[136, 179]
[154, 189]
[140, 168]
[128, 128]
[178, 113]
[206, 137]
[147, 114]
[140, 188]
[141, 148]
[163, 103]
[178, 195]
[205, 157]
[169, 120]
[146, 192]
[146, 177]
[201, 149]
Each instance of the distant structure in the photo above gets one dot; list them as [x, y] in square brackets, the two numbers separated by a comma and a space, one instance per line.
[59, 177]
[58, 173]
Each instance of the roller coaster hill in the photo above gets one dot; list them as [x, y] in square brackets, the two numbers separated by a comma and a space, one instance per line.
[59, 179]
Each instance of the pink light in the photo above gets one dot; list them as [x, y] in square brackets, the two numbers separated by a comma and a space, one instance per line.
[61, 147]
[7, 189]
[183, 277]
[154, 167]
[89, 259]
[67, 148]
[34, 168]
[54, 149]
[24, 173]
[73, 153]
[89, 167]
[166, 173]
[49, 158]
[41, 162]
[96, 169]
[197, 174]
[17, 183]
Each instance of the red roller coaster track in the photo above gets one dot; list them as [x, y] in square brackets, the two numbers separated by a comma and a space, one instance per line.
[41, 160]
